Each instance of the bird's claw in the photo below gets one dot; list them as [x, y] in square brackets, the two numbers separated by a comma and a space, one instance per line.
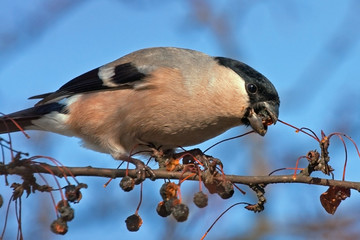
[142, 170]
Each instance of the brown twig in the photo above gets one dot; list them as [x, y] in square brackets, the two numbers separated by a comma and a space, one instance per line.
[163, 174]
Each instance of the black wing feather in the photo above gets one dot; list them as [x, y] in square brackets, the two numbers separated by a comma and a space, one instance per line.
[125, 76]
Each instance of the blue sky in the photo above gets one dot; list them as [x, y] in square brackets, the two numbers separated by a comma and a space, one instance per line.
[309, 49]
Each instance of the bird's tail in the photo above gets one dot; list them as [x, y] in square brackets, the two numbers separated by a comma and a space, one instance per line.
[23, 119]
[13, 124]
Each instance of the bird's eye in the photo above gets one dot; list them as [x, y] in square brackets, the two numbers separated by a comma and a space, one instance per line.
[252, 88]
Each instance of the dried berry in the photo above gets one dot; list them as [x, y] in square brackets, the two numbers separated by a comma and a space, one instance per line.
[59, 226]
[127, 183]
[225, 189]
[72, 193]
[168, 190]
[200, 199]
[180, 212]
[163, 192]
[161, 209]
[133, 223]
[66, 212]
[61, 204]
[171, 203]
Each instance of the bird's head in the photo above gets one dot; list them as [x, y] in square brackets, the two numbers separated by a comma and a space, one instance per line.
[264, 102]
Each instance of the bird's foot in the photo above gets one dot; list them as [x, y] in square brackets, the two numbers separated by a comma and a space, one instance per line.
[142, 170]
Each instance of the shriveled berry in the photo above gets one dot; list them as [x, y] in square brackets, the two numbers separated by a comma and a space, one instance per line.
[163, 192]
[171, 203]
[225, 189]
[66, 212]
[200, 199]
[161, 209]
[61, 204]
[168, 190]
[72, 193]
[127, 183]
[133, 223]
[59, 226]
[180, 212]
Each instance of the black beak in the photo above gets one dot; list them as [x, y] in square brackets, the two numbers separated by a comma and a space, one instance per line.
[261, 115]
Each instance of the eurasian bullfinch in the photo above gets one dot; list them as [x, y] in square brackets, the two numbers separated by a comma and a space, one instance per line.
[160, 97]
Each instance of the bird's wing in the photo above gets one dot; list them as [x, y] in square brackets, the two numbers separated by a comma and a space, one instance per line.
[130, 71]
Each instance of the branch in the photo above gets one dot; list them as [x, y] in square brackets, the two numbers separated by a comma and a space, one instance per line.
[164, 174]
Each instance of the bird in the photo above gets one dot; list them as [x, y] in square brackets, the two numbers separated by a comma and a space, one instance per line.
[162, 97]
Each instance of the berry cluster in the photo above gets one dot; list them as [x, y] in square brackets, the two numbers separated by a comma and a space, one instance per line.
[65, 212]
[194, 164]
[171, 204]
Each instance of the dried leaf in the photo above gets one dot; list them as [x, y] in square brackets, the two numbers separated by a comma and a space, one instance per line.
[331, 199]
